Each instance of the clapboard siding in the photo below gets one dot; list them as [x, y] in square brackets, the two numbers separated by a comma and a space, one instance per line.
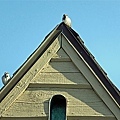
[57, 67]
[60, 67]
[61, 78]
[68, 118]
[35, 102]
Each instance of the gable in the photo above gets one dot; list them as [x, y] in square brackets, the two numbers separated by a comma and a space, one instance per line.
[59, 70]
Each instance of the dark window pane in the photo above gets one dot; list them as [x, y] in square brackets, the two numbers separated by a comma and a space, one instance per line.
[58, 108]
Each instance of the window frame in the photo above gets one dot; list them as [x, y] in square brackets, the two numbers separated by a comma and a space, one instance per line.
[52, 98]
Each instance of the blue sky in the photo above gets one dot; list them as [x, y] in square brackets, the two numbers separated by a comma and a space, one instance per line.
[25, 23]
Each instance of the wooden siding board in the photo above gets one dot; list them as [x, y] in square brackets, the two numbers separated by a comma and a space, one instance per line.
[68, 118]
[54, 85]
[17, 91]
[60, 78]
[60, 67]
[26, 109]
[35, 102]
[25, 118]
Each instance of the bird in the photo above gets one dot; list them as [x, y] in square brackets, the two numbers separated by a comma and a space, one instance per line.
[5, 78]
[66, 20]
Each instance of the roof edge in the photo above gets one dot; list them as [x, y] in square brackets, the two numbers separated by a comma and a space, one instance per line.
[77, 42]
[29, 62]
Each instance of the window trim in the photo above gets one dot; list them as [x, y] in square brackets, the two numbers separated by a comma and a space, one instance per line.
[50, 104]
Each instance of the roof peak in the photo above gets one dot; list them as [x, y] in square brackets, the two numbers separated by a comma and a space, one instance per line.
[74, 38]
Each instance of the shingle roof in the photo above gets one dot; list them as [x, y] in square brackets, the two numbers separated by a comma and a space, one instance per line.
[78, 43]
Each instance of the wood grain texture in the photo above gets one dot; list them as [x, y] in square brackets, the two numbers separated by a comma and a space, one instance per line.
[60, 67]
[57, 71]
[80, 102]
[54, 85]
[61, 78]
[68, 118]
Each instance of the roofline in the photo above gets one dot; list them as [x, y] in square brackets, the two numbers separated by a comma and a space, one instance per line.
[29, 62]
[74, 38]
[77, 42]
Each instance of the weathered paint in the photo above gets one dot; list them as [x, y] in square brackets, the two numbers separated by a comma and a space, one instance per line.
[58, 71]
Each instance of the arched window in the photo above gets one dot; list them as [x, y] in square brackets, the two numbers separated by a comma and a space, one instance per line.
[57, 108]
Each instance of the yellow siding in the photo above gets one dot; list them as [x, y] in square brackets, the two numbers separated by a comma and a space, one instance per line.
[60, 78]
[80, 102]
[58, 75]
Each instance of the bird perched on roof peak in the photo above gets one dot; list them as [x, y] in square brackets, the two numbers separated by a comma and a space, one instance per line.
[66, 20]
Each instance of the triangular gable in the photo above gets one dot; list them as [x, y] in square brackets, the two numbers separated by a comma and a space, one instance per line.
[70, 81]
[60, 37]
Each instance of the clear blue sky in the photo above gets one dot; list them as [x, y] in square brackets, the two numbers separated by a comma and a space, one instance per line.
[25, 23]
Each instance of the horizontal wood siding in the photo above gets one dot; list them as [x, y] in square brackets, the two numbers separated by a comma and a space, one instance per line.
[60, 67]
[68, 118]
[60, 70]
[61, 78]
[35, 102]
[58, 76]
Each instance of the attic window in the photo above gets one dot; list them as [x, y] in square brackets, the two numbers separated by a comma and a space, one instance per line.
[57, 108]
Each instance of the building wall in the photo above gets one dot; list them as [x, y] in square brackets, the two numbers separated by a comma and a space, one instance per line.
[59, 76]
